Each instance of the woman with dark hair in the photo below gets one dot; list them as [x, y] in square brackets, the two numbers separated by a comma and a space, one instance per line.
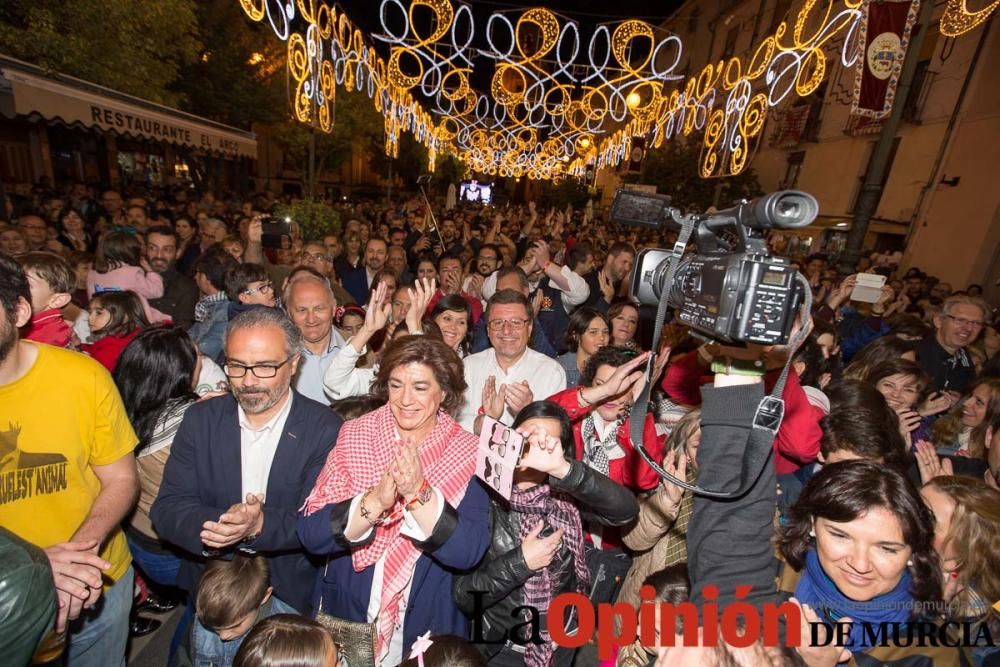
[624, 319]
[884, 348]
[903, 385]
[155, 375]
[453, 315]
[119, 265]
[588, 331]
[598, 408]
[73, 232]
[537, 548]
[860, 541]
[394, 509]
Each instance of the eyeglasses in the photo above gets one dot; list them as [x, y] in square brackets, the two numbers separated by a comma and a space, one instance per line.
[961, 321]
[260, 371]
[488, 258]
[513, 325]
[316, 257]
[265, 288]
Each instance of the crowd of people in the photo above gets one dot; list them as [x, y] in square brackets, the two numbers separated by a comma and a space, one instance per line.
[281, 438]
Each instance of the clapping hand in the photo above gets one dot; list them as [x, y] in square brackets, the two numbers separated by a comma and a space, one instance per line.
[519, 394]
[406, 469]
[420, 295]
[379, 309]
[236, 524]
[929, 464]
[494, 399]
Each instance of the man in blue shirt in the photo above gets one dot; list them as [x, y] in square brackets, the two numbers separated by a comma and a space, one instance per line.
[311, 306]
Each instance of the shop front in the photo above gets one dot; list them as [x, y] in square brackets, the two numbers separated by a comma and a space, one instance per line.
[65, 129]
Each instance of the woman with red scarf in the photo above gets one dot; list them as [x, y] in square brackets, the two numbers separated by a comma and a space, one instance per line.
[394, 510]
[537, 549]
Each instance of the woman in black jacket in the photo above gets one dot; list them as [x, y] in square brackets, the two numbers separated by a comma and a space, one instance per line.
[537, 546]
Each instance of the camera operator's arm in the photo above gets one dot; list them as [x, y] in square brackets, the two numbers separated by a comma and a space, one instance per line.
[729, 541]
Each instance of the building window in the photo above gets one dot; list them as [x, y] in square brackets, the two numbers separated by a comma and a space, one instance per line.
[792, 169]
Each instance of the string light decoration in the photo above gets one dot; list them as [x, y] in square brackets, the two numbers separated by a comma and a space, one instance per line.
[958, 20]
[557, 104]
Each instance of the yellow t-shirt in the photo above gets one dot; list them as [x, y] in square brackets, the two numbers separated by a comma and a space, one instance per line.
[64, 416]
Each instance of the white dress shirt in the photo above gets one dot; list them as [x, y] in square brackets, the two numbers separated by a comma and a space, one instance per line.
[393, 653]
[544, 375]
[258, 446]
[578, 291]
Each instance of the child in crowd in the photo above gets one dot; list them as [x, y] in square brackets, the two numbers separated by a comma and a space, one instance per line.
[51, 281]
[287, 640]
[119, 265]
[233, 595]
[115, 318]
[81, 263]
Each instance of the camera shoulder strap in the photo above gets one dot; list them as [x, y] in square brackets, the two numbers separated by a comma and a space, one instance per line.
[770, 410]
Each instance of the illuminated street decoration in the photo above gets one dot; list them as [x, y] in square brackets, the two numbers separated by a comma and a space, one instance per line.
[958, 20]
[557, 103]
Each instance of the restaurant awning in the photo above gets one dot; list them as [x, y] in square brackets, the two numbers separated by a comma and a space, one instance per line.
[26, 90]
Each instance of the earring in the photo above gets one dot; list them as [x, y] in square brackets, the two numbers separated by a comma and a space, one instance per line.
[812, 533]
[909, 563]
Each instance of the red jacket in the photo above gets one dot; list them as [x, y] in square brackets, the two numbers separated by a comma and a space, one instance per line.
[107, 350]
[50, 328]
[630, 471]
[797, 442]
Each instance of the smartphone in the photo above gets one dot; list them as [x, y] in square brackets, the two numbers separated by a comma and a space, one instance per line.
[273, 229]
[868, 288]
[547, 530]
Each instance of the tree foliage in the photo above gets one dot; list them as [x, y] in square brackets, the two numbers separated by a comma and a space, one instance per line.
[673, 168]
[240, 76]
[134, 46]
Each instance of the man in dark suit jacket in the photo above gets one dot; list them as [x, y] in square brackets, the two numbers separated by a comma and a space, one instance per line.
[358, 282]
[241, 466]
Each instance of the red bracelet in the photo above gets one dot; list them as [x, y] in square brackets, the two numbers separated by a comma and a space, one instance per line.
[422, 496]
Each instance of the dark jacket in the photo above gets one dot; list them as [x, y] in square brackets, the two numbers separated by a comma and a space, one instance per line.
[458, 542]
[501, 576]
[179, 296]
[952, 372]
[356, 284]
[203, 479]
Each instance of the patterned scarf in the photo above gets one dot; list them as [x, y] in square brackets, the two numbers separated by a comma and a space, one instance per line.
[205, 303]
[363, 451]
[533, 504]
[595, 450]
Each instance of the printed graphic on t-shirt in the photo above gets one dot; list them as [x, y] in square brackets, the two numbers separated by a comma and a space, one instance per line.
[27, 474]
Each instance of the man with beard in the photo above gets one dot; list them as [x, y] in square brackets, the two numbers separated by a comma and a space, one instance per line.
[606, 282]
[358, 283]
[179, 292]
[241, 465]
[69, 479]
[488, 260]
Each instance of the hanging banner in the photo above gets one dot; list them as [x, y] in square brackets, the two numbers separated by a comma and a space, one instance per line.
[885, 33]
[635, 155]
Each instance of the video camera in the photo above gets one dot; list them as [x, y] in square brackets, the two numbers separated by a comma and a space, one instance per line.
[732, 289]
